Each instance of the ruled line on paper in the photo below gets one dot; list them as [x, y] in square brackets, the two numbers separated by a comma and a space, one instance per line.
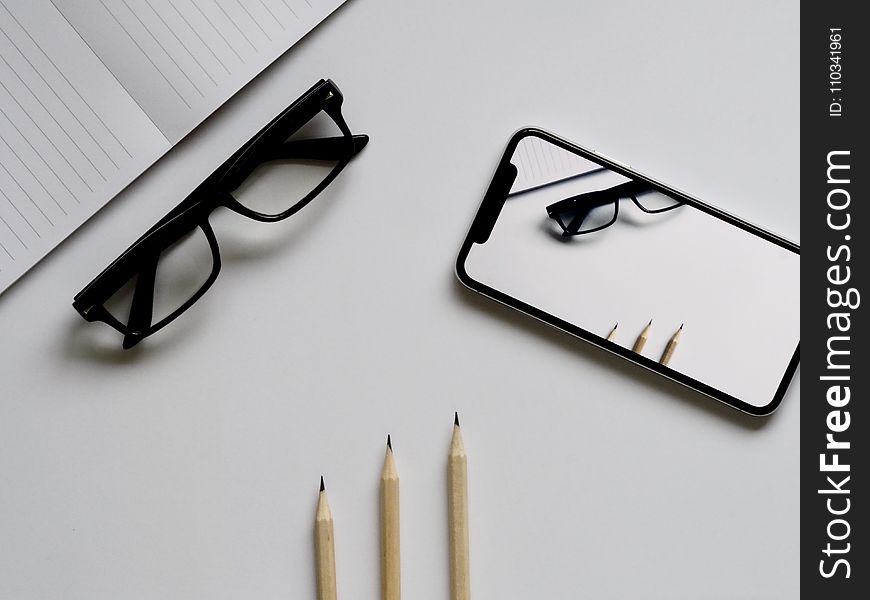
[272, 13]
[235, 25]
[145, 54]
[216, 30]
[162, 47]
[54, 91]
[290, 8]
[2, 245]
[32, 174]
[195, 32]
[29, 197]
[254, 20]
[68, 82]
[20, 214]
[46, 136]
[40, 155]
[53, 117]
[181, 42]
[14, 232]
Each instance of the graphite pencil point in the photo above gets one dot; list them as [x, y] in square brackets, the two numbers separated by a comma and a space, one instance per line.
[322, 486]
[389, 442]
[456, 418]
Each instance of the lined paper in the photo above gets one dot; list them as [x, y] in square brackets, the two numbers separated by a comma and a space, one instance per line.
[181, 59]
[539, 163]
[92, 92]
[70, 135]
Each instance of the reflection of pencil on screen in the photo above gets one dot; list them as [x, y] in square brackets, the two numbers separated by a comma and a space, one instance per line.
[612, 335]
[642, 338]
[671, 347]
[324, 547]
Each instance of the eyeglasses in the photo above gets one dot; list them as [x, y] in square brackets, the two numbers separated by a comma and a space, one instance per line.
[593, 211]
[175, 262]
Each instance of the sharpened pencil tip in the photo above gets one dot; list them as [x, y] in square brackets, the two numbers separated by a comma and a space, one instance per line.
[615, 326]
[681, 325]
[389, 442]
[650, 323]
[456, 418]
[322, 485]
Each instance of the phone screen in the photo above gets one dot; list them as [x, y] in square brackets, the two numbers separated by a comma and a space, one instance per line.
[586, 244]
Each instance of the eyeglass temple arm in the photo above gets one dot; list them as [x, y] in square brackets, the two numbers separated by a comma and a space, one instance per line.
[331, 148]
[141, 308]
[598, 198]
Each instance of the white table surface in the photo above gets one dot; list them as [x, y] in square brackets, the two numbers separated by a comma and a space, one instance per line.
[188, 468]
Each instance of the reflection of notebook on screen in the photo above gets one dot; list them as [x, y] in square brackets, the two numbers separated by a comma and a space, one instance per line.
[92, 92]
[540, 163]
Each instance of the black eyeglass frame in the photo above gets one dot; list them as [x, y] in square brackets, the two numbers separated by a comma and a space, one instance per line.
[193, 212]
[598, 198]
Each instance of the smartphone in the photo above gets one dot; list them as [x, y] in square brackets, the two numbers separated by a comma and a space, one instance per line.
[590, 246]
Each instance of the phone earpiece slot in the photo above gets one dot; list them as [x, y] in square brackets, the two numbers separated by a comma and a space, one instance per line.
[493, 202]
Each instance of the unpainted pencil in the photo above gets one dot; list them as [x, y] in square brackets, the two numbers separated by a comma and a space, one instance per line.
[391, 579]
[457, 511]
[324, 548]
[612, 335]
[642, 338]
[671, 347]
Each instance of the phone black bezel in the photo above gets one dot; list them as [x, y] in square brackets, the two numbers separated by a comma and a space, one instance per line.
[487, 214]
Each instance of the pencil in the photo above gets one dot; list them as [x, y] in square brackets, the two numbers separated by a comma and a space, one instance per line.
[642, 338]
[612, 335]
[457, 515]
[391, 579]
[672, 345]
[324, 548]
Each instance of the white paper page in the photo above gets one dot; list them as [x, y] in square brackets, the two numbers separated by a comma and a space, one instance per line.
[70, 136]
[182, 59]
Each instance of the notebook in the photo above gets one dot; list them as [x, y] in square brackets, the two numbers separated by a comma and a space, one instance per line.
[92, 92]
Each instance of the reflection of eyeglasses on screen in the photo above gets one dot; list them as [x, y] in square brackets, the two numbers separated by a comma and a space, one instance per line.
[173, 264]
[593, 211]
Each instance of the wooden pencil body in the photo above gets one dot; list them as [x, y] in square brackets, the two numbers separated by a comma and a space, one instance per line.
[391, 582]
[671, 347]
[641, 339]
[669, 352]
[457, 509]
[324, 547]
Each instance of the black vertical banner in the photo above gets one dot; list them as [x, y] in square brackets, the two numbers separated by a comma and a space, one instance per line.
[835, 225]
